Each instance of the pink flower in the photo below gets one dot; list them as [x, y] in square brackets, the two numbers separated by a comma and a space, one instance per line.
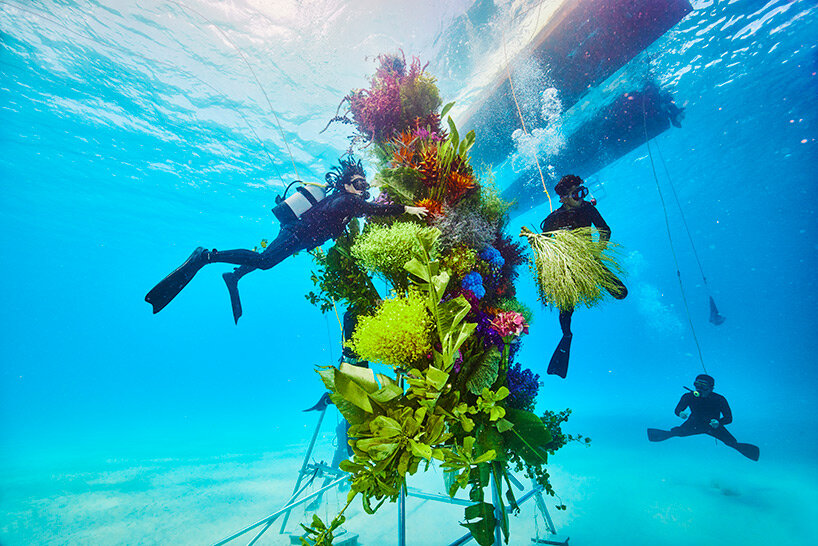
[509, 323]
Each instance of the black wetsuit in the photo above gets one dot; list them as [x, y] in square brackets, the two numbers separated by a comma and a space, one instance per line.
[324, 221]
[702, 410]
[584, 215]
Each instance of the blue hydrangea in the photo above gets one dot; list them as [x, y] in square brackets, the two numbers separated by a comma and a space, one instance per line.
[474, 282]
[493, 257]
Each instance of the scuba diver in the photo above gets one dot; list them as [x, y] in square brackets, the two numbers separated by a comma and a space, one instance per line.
[321, 220]
[575, 213]
[709, 412]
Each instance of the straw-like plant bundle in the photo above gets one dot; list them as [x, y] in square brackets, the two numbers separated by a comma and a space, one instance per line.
[571, 268]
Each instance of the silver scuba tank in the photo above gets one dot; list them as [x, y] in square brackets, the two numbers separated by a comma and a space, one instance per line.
[290, 209]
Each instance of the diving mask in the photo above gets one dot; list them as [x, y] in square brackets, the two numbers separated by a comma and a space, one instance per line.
[359, 183]
[580, 193]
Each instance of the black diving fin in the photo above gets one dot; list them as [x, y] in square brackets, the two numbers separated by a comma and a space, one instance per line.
[233, 288]
[715, 317]
[169, 287]
[656, 435]
[322, 403]
[748, 450]
[559, 360]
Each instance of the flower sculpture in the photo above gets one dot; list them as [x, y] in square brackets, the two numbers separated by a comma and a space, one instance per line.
[450, 328]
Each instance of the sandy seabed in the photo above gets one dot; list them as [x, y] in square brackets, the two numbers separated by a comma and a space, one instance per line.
[684, 491]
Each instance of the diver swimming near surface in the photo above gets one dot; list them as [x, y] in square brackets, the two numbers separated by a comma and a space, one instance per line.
[709, 413]
[324, 220]
[575, 213]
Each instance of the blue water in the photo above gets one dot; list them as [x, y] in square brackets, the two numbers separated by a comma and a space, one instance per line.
[132, 132]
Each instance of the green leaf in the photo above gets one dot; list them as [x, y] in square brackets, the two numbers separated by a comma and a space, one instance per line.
[427, 240]
[352, 392]
[364, 377]
[486, 457]
[378, 449]
[385, 427]
[482, 528]
[417, 269]
[529, 438]
[386, 393]
[463, 333]
[419, 449]
[467, 143]
[483, 373]
[446, 110]
[436, 378]
[350, 411]
[440, 281]
[504, 425]
[454, 137]
[491, 440]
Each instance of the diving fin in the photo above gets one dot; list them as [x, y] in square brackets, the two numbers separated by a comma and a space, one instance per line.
[232, 283]
[748, 450]
[715, 317]
[169, 287]
[322, 403]
[656, 435]
[559, 360]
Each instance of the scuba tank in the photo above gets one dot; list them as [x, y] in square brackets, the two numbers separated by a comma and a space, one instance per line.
[290, 209]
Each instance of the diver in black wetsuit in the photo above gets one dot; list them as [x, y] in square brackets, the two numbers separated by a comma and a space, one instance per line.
[709, 412]
[574, 213]
[325, 220]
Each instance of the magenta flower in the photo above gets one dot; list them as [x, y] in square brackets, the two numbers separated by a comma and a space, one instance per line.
[509, 324]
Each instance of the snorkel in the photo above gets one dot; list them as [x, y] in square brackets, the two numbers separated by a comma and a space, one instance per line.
[702, 382]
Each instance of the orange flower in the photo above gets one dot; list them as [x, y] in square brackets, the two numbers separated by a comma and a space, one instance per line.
[429, 169]
[435, 208]
[458, 184]
[403, 154]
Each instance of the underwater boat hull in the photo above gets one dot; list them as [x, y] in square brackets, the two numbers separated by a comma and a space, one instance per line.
[582, 45]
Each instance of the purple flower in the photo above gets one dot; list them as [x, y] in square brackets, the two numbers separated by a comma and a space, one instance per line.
[523, 386]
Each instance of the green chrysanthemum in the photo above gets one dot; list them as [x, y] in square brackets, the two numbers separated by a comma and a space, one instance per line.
[398, 334]
[386, 249]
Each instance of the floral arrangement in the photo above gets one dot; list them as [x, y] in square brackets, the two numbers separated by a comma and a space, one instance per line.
[399, 96]
[572, 268]
[451, 328]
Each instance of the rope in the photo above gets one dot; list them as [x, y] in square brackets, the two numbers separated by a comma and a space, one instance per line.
[669, 237]
[253, 72]
[681, 212]
[340, 324]
[522, 121]
[329, 340]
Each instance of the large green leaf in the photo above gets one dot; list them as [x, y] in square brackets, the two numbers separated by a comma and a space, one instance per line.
[436, 378]
[386, 393]
[490, 440]
[364, 377]
[483, 372]
[467, 143]
[427, 239]
[350, 411]
[454, 137]
[480, 521]
[440, 281]
[353, 392]
[417, 269]
[529, 438]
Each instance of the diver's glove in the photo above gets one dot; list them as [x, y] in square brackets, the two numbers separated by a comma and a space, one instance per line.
[683, 415]
[714, 423]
